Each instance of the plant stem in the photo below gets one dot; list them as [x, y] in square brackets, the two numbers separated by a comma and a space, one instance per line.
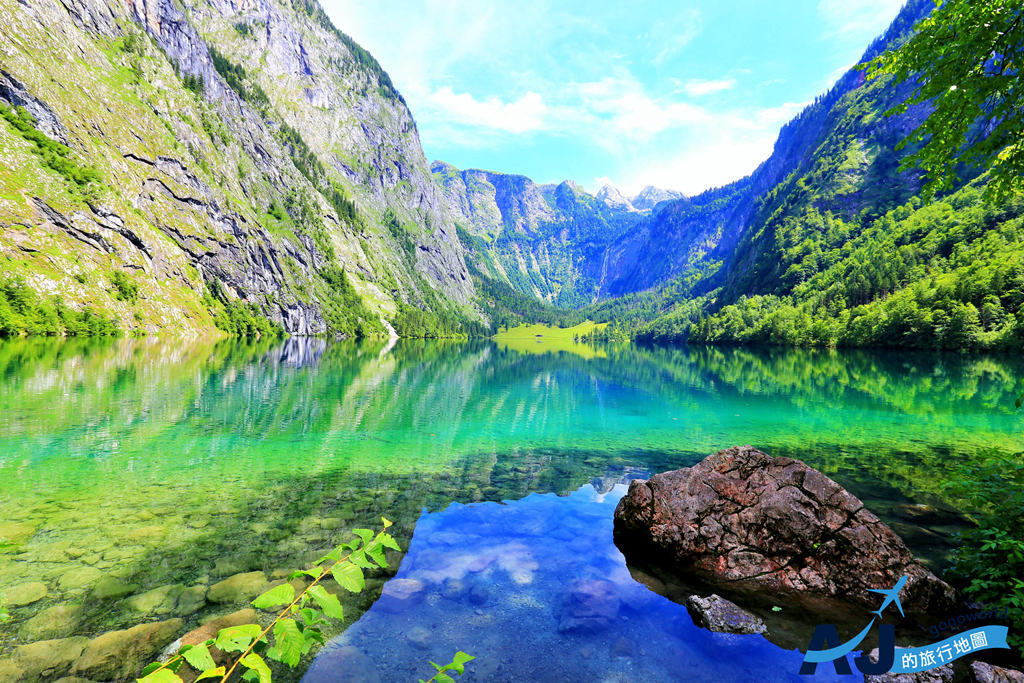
[166, 664]
[280, 616]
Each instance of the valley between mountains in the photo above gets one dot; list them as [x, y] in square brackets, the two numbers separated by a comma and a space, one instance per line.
[247, 167]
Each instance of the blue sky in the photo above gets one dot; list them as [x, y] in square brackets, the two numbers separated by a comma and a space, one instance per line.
[684, 95]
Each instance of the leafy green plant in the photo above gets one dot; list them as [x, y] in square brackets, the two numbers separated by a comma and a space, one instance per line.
[965, 58]
[988, 565]
[24, 312]
[457, 665]
[238, 80]
[4, 615]
[297, 628]
[238, 318]
[194, 84]
[343, 309]
[55, 155]
[125, 288]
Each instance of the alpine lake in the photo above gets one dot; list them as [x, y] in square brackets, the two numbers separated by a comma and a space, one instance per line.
[137, 474]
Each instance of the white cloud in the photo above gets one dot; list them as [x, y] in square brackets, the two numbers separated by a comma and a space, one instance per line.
[621, 107]
[524, 115]
[463, 71]
[698, 87]
[719, 160]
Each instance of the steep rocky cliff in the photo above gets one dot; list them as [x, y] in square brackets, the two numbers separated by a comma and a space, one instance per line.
[167, 161]
[842, 147]
[548, 241]
[240, 150]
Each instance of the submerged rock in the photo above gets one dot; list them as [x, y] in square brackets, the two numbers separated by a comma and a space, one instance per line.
[207, 631]
[420, 636]
[16, 533]
[238, 588]
[210, 628]
[758, 522]
[983, 672]
[715, 613]
[191, 600]
[52, 622]
[24, 594]
[399, 594]
[122, 654]
[47, 659]
[111, 587]
[591, 605]
[78, 578]
[161, 599]
[9, 670]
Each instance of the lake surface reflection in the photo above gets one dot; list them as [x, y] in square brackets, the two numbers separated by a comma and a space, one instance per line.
[141, 466]
[537, 591]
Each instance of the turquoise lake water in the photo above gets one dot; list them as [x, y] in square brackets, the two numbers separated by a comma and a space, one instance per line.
[146, 464]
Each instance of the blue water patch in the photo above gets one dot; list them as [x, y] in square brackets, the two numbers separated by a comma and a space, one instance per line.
[537, 591]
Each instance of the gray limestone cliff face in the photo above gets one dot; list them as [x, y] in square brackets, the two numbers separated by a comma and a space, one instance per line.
[547, 241]
[190, 180]
[345, 110]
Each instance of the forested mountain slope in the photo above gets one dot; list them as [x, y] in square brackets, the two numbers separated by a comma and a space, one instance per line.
[170, 165]
[841, 249]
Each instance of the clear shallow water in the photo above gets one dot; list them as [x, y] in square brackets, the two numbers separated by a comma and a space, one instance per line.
[161, 464]
[497, 579]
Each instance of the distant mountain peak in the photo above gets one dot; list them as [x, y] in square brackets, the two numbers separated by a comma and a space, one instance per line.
[651, 196]
[610, 195]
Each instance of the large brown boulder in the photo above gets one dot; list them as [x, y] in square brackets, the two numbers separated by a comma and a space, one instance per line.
[748, 519]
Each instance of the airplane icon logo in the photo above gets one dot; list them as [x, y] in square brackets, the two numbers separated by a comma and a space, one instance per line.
[891, 595]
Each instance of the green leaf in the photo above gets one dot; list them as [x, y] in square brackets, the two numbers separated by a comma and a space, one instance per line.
[255, 663]
[275, 597]
[364, 534]
[299, 573]
[212, 673]
[289, 644]
[442, 677]
[376, 552]
[388, 541]
[150, 668]
[387, 522]
[237, 638]
[328, 603]
[358, 558]
[310, 616]
[332, 556]
[161, 676]
[349, 577]
[459, 661]
[199, 657]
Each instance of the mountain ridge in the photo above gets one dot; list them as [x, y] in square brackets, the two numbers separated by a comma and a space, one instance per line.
[219, 177]
[205, 163]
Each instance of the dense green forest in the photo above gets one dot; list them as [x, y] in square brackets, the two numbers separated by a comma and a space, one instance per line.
[946, 275]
